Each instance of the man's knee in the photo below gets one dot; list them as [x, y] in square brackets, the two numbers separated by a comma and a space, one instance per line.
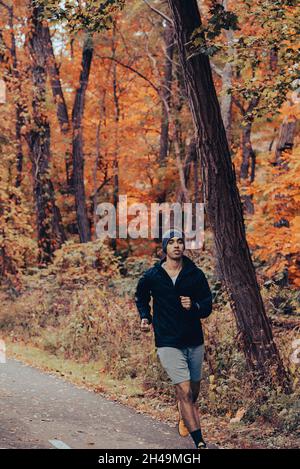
[184, 392]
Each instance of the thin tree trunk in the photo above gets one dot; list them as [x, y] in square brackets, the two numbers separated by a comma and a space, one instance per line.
[116, 131]
[74, 158]
[286, 137]
[226, 76]
[183, 195]
[223, 202]
[248, 154]
[178, 142]
[166, 94]
[197, 191]
[247, 170]
[185, 169]
[98, 161]
[190, 158]
[61, 106]
[226, 98]
[247, 165]
[273, 58]
[19, 107]
[226, 101]
[50, 231]
[77, 143]
[20, 156]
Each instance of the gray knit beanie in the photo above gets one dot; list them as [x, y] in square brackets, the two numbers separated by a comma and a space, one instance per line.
[174, 233]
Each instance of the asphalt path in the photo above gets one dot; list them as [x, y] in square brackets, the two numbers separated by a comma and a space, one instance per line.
[41, 410]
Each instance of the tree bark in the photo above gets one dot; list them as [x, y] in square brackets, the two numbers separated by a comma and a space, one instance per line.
[50, 231]
[77, 143]
[222, 201]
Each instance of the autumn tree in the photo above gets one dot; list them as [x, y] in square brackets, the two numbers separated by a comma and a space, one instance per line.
[50, 230]
[88, 19]
[256, 59]
[222, 198]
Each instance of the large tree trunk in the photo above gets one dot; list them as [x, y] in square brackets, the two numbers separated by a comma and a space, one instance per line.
[222, 200]
[77, 143]
[50, 231]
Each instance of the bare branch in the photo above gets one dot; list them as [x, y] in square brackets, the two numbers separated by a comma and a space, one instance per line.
[9, 9]
[160, 13]
[239, 105]
[132, 69]
[253, 103]
[5, 5]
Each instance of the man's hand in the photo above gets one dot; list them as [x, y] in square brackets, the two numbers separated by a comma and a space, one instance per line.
[186, 302]
[145, 326]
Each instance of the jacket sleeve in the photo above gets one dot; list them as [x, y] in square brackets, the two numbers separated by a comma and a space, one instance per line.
[142, 298]
[202, 298]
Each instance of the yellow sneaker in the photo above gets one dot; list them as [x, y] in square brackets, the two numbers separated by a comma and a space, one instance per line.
[182, 429]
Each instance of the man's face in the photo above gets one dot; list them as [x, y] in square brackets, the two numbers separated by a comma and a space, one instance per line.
[175, 248]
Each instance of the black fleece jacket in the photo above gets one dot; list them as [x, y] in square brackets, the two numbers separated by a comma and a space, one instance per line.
[174, 326]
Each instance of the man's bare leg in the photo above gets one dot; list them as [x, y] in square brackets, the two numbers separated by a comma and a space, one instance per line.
[188, 410]
[195, 386]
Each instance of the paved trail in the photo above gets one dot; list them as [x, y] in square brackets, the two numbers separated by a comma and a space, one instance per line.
[40, 410]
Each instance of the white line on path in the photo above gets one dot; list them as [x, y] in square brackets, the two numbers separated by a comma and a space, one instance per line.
[59, 444]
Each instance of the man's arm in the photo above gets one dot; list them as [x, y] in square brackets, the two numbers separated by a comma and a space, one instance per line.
[202, 298]
[142, 298]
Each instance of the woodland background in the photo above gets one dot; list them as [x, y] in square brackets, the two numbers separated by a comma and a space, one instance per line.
[95, 104]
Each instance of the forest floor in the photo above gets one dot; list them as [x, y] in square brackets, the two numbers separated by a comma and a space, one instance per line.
[224, 432]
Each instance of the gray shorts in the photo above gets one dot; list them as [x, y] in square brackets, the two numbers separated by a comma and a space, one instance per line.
[182, 364]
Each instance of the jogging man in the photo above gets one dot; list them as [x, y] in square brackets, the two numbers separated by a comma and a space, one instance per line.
[181, 298]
